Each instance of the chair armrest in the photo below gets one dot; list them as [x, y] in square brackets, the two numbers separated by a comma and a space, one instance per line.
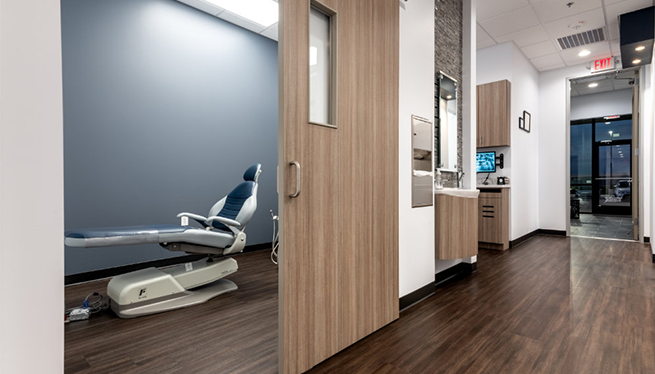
[230, 223]
[196, 217]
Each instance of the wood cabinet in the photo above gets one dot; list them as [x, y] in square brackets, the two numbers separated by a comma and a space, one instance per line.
[493, 219]
[494, 114]
[456, 227]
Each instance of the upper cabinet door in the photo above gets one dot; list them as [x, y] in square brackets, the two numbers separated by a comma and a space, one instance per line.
[494, 114]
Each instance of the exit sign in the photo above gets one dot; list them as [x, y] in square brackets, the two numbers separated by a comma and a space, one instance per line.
[602, 64]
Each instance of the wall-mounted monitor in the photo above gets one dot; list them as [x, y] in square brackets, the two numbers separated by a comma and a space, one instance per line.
[485, 162]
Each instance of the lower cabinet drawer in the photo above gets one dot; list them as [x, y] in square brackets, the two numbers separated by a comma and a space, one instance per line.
[493, 219]
[489, 224]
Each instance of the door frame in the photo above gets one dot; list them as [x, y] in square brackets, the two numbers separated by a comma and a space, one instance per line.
[567, 146]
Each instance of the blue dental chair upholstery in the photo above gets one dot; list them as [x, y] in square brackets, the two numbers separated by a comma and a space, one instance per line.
[153, 290]
[221, 229]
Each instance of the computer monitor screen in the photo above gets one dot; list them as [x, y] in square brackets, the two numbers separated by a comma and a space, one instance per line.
[485, 162]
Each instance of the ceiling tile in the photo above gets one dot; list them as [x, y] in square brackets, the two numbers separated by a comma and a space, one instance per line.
[240, 21]
[552, 67]
[481, 35]
[551, 10]
[598, 50]
[610, 2]
[613, 11]
[271, 32]
[526, 37]
[591, 91]
[488, 9]
[592, 20]
[539, 49]
[204, 6]
[621, 84]
[615, 48]
[485, 44]
[613, 30]
[547, 61]
[508, 23]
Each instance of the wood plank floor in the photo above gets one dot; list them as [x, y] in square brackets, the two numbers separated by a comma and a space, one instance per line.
[550, 305]
[233, 333]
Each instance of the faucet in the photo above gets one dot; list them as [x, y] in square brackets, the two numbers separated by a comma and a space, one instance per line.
[460, 176]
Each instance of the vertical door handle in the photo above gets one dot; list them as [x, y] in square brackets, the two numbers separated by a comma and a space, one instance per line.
[297, 165]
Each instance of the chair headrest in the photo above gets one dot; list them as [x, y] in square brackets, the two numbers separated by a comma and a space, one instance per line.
[252, 174]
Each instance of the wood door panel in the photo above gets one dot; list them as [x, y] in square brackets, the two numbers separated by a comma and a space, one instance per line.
[339, 237]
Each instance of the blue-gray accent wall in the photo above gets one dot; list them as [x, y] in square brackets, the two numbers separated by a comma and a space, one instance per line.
[165, 107]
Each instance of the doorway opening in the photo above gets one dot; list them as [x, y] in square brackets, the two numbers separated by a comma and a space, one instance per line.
[604, 162]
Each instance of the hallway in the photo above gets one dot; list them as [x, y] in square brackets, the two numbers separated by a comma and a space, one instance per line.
[550, 305]
[603, 226]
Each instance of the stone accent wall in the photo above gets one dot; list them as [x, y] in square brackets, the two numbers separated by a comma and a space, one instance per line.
[448, 59]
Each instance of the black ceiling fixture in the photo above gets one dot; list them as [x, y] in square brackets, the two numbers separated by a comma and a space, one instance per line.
[637, 35]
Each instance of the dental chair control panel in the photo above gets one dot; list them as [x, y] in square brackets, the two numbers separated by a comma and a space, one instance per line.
[152, 290]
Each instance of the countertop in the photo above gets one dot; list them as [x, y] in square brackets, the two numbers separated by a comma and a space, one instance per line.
[494, 186]
[458, 192]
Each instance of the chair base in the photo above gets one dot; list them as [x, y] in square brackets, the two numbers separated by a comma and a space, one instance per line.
[176, 301]
[151, 290]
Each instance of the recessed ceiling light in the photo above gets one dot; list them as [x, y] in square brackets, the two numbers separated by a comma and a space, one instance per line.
[449, 97]
[636, 61]
[592, 85]
[640, 48]
[263, 12]
[607, 123]
[584, 53]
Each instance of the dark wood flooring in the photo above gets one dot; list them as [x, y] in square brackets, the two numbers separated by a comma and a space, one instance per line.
[232, 333]
[550, 305]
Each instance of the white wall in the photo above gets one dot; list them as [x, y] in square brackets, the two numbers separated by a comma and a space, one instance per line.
[31, 188]
[506, 61]
[417, 265]
[554, 147]
[525, 174]
[601, 104]
[416, 225]
[651, 104]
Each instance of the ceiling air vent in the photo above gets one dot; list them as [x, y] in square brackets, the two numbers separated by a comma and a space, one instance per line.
[583, 38]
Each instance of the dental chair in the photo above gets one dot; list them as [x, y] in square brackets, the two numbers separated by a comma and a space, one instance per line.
[152, 290]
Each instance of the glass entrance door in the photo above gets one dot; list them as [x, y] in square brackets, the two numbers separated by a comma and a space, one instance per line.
[613, 179]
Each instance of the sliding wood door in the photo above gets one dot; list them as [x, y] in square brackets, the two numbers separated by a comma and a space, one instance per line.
[338, 179]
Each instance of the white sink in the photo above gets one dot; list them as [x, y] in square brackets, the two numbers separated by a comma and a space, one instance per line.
[457, 192]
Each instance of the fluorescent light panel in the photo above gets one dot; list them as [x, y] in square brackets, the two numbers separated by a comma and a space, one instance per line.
[263, 12]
